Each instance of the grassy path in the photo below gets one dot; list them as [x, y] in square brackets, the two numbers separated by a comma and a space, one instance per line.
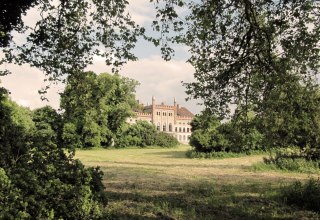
[164, 184]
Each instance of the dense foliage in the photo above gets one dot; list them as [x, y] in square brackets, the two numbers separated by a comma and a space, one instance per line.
[143, 134]
[257, 56]
[242, 49]
[210, 135]
[38, 179]
[95, 108]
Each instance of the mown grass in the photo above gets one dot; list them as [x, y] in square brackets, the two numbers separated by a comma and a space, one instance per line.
[163, 184]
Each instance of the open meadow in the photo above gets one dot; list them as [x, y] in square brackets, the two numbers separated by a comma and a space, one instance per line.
[161, 183]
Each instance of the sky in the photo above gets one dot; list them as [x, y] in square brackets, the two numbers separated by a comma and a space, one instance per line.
[157, 77]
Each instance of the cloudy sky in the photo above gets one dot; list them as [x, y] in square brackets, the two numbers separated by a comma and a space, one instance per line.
[156, 76]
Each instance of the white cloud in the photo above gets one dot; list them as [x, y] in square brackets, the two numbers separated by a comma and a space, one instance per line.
[157, 77]
[141, 11]
[24, 83]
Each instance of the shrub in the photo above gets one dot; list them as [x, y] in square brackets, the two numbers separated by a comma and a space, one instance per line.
[38, 179]
[143, 134]
[165, 140]
[239, 135]
[293, 159]
[219, 155]
[304, 195]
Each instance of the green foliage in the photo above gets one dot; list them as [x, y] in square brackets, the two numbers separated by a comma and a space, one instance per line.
[68, 34]
[304, 195]
[48, 115]
[143, 134]
[38, 180]
[140, 134]
[70, 137]
[235, 136]
[220, 154]
[241, 50]
[291, 116]
[260, 56]
[11, 206]
[10, 19]
[293, 159]
[97, 105]
[165, 140]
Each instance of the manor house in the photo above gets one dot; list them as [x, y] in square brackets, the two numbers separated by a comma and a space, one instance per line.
[174, 120]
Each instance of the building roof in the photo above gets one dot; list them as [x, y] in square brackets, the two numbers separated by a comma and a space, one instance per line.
[184, 112]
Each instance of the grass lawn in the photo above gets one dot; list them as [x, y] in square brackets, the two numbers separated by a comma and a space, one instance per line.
[164, 184]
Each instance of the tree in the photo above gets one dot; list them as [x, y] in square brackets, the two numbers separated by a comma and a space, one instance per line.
[10, 18]
[245, 52]
[143, 134]
[291, 116]
[68, 34]
[242, 49]
[37, 178]
[49, 116]
[98, 105]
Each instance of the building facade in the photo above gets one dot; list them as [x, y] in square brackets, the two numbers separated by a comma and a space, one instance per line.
[174, 120]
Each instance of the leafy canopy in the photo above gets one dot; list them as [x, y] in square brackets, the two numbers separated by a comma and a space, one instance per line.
[241, 50]
[97, 106]
[69, 33]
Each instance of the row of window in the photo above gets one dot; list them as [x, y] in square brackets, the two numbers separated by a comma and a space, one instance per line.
[183, 129]
[180, 129]
[165, 113]
[164, 127]
[183, 137]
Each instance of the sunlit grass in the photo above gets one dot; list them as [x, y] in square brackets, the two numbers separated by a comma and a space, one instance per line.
[162, 183]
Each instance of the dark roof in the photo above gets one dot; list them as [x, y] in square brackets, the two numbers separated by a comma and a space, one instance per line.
[184, 112]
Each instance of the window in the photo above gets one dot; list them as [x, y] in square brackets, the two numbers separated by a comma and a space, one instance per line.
[180, 129]
[176, 129]
[184, 137]
[170, 127]
[184, 129]
[158, 126]
[164, 127]
[188, 130]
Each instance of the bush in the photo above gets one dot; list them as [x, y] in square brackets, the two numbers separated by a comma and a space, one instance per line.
[38, 180]
[293, 159]
[226, 138]
[143, 134]
[165, 140]
[239, 135]
[304, 195]
[219, 155]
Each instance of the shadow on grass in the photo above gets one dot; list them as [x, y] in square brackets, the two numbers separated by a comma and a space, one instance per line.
[170, 154]
[220, 166]
[201, 201]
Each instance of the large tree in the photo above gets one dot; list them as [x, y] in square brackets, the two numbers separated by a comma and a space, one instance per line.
[68, 34]
[254, 55]
[97, 106]
[242, 49]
